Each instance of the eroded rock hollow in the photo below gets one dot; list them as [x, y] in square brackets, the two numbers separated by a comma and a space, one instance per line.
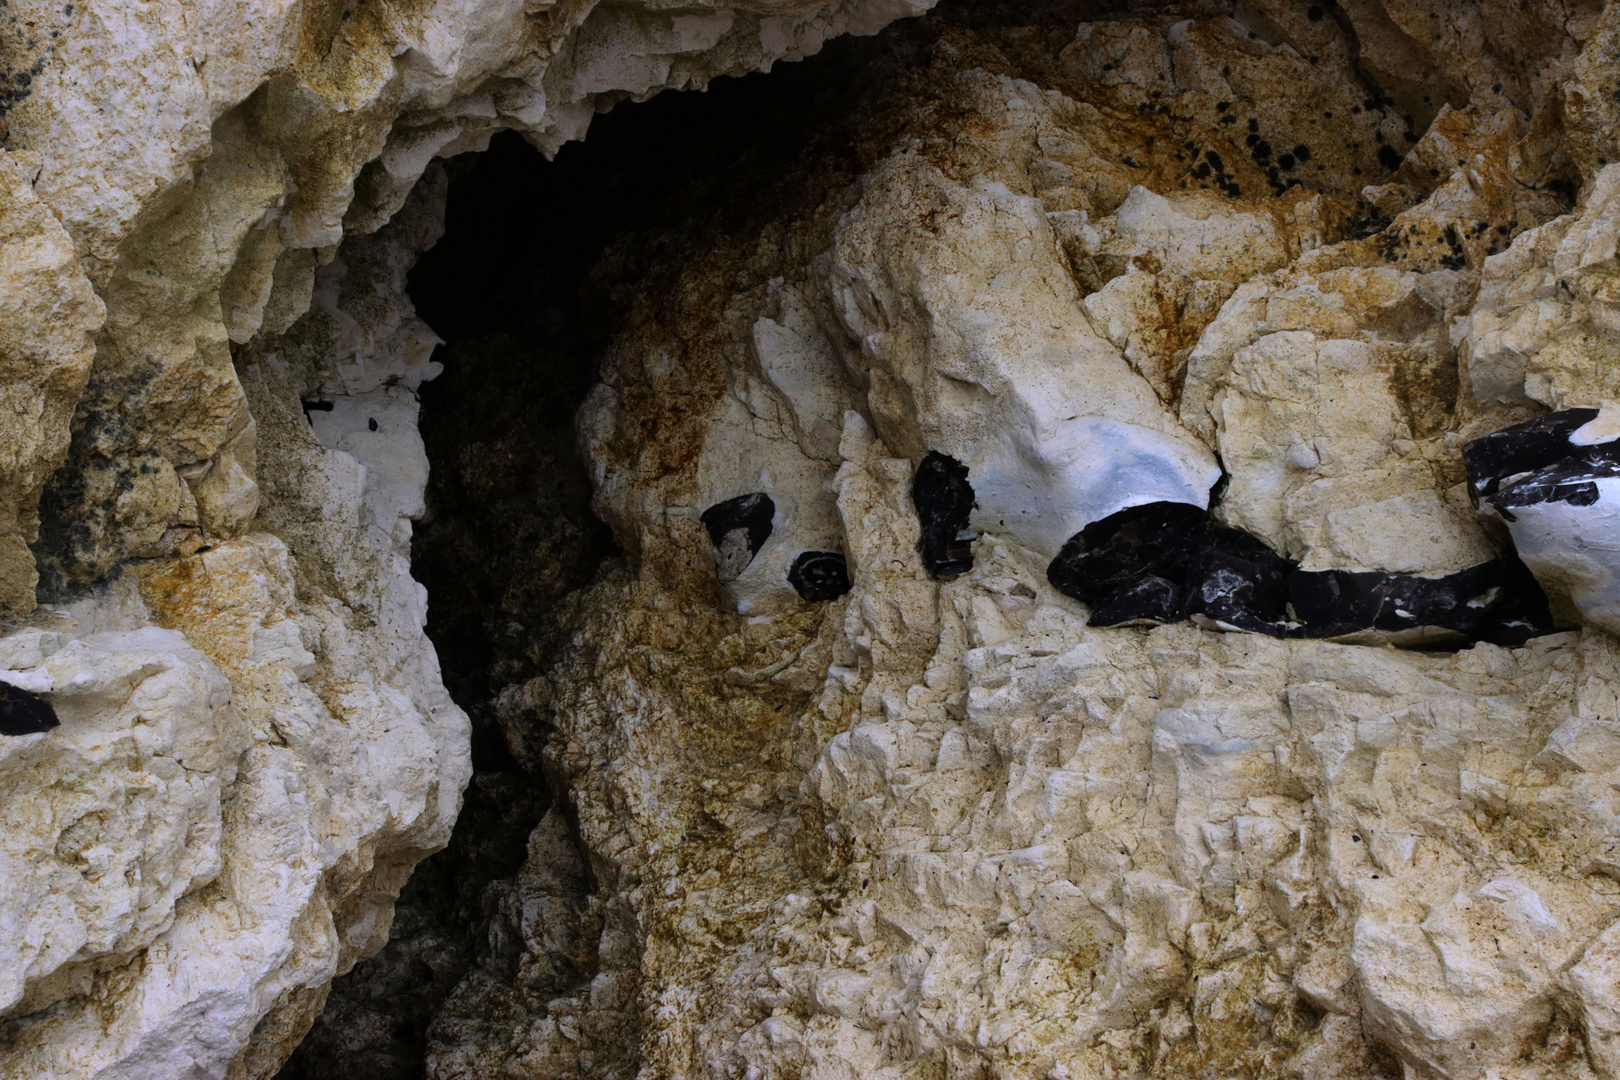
[1051, 540]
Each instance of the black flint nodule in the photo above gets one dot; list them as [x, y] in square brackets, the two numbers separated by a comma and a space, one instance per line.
[819, 575]
[738, 528]
[753, 513]
[23, 713]
[1163, 562]
[1535, 462]
[944, 501]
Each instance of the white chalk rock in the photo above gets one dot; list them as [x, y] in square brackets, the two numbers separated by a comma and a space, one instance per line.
[976, 346]
[114, 816]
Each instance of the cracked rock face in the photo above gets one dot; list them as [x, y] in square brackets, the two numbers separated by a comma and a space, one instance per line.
[970, 461]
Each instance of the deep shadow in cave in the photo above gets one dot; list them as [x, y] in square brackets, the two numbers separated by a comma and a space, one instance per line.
[509, 533]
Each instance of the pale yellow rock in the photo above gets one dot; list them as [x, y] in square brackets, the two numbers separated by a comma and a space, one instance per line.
[1008, 843]
[48, 313]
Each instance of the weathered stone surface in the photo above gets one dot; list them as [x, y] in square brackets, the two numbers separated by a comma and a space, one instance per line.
[202, 202]
[944, 826]
[1282, 260]
[176, 186]
[48, 313]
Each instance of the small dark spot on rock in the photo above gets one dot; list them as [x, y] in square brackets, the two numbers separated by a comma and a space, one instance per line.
[1496, 88]
[819, 575]
[1388, 158]
[1314, 13]
[1254, 124]
[372, 423]
[1302, 152]
[1286, 161]
[1222, 106]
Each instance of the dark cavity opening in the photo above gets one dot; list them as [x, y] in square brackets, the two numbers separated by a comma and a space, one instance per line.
[537, 260]
[522, 289]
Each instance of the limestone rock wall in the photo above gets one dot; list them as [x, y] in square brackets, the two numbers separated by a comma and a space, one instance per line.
[936, 828]
[945, 828]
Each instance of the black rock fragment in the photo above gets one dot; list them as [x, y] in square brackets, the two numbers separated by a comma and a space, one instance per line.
[819, 575]
[1522, 611]
[1109, 557]
[1148, 600]
[1239, 583]
[944, 501]
[1162, 562]
[23, 713]
[1570, 481]
[738, 528]
[1534, 462]
[1502, 457]
[1165, 561]
[1495, 601]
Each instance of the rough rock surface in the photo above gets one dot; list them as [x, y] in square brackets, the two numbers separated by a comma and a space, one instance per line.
[945, 828]
[933, 827]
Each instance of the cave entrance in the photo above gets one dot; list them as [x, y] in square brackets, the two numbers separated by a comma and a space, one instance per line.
[524, 288]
